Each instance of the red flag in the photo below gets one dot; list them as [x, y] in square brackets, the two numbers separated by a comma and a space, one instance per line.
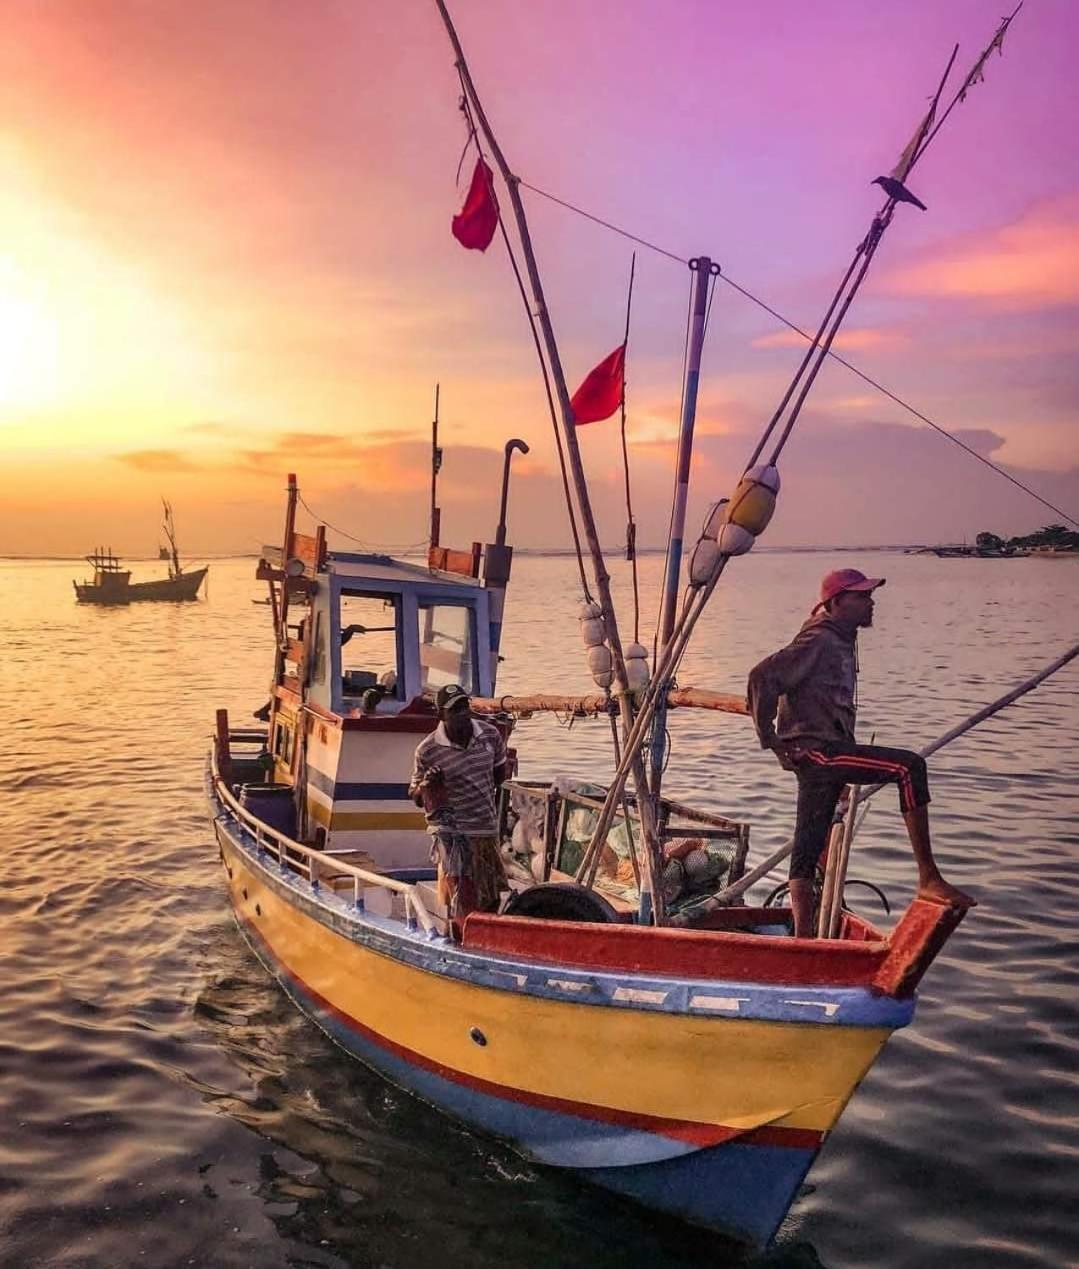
[601, 393]
[475, 226]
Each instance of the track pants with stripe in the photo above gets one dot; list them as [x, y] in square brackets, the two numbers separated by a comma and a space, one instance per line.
[824, 768]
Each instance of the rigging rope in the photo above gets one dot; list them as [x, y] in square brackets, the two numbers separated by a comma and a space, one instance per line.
[793, 326]
[378, 546]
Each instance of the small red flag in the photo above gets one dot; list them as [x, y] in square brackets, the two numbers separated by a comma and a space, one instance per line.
[475, 225]
[601, 392]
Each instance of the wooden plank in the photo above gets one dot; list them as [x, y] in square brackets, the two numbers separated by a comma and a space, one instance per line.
[294, 651]
[307, 549]
[446, 560]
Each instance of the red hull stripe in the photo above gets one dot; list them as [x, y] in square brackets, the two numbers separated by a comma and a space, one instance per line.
[688, 1131]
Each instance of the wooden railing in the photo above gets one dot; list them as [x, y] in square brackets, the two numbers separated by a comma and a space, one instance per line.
[310, 859]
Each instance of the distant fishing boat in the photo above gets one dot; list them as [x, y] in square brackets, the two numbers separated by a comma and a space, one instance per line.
[112, 584]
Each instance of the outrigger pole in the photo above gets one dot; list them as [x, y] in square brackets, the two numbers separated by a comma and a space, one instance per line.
[766, 479]
[651, 894]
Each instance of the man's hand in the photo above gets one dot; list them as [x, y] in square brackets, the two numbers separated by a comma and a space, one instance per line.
[789, 753]
[429, 779]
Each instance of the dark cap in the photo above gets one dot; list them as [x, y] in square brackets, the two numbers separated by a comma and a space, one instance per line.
[452, 696]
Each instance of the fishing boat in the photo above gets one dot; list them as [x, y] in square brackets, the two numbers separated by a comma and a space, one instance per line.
[696, 1068]
[111, 583]
[626, 1014]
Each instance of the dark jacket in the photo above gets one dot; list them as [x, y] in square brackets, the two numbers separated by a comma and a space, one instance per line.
[812, 682]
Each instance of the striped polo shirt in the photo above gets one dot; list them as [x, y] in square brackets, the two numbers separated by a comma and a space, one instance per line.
[469, 775]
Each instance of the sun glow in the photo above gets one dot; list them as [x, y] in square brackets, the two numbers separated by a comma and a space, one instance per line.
[29, 341]
[90, 339]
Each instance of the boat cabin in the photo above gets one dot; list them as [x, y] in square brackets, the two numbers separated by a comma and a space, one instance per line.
[368, 642]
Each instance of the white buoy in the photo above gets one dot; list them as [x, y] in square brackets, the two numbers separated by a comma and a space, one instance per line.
[636, 667]
[599, 662]
[704, 562]
[593, 627]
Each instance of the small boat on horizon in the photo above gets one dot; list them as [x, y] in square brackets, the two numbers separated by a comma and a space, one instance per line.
[112, 584]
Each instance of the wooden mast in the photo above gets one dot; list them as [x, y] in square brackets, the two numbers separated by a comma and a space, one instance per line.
[584, 504]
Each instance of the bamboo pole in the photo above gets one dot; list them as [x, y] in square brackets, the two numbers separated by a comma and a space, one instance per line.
[670, 656]
[726, 896]
[599, 703]
[831, 930]
[827, 898]
[584, 504]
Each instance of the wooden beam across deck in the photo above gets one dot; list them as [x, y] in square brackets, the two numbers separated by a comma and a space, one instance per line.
[599, 703]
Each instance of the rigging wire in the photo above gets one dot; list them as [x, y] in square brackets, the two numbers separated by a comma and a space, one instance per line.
[378, 546]
[793, 326]
[473, 136]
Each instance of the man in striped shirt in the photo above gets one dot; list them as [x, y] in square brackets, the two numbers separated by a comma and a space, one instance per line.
[458, 770]
[812, 683]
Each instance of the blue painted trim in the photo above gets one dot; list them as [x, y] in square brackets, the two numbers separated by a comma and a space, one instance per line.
[829, 1006]
[365, 791]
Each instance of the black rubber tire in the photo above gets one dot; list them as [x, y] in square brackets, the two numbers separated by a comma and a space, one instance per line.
[561, 901]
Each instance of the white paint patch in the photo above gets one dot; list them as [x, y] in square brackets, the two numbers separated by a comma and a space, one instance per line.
[568, 984]
[729, 1004]
[830, 1007]
[639, 996]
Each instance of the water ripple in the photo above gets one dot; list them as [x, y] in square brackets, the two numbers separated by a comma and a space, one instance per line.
[164, 1104]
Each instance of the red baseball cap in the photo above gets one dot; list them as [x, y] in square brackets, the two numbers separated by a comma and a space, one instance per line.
[841, 579]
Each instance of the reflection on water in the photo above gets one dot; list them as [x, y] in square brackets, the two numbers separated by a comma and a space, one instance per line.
[165, 1104]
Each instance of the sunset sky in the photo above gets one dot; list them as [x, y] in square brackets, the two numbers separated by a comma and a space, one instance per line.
[225, 254]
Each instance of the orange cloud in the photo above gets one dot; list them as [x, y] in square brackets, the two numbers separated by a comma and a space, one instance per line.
[848, 340]
[1033, 263]
[158, 460]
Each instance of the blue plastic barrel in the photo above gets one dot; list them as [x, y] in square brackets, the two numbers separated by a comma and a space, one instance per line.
[271, 803]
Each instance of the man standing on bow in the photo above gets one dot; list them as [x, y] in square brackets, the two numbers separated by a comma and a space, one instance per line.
[812, 683]
[458, 770]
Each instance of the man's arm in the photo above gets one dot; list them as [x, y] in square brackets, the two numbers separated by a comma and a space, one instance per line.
[501, 759]
[774, 677]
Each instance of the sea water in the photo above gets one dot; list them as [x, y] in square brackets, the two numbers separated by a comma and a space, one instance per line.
[162, 1102]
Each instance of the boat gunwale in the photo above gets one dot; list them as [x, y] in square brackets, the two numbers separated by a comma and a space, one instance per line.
[720, 998]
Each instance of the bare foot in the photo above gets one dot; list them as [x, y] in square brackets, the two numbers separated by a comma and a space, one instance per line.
[940, 891]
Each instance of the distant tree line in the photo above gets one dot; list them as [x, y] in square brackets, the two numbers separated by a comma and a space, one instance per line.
[1051, 535]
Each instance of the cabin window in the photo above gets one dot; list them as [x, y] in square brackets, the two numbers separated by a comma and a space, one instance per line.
[370, 637]
[283, 742]
[447, 645]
